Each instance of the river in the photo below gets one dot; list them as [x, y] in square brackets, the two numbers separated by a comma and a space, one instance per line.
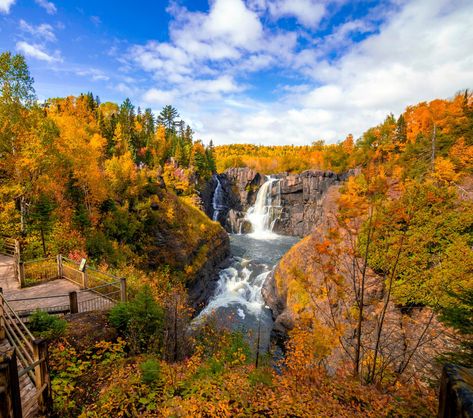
[237, 301]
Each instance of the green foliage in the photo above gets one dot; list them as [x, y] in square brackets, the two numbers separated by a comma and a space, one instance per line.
[16, 84]
[261, 376]
[150, 371]
[75, 373]
[141, 321]
[437, 229]
[47, 326]
[459, 315]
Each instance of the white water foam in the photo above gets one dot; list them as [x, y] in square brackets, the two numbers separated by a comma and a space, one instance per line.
[238, 287]
[217, 200]
[263, 214]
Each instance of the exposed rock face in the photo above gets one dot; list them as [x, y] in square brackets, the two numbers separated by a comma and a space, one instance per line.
[298, 197]
[205, 280]
[302, 196]
[456, 392]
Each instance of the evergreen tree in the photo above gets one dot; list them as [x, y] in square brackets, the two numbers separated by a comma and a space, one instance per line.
[167, 117]
[401, 130]
[209, 153]
[126, 118]
[41, 218]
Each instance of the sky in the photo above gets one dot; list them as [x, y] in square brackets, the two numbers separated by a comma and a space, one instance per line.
[269, 72]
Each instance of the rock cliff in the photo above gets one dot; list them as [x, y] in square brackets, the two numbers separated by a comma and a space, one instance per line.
[456, 392]
[298, 198]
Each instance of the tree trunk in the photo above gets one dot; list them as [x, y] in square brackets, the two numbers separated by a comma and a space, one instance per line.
[356, 369]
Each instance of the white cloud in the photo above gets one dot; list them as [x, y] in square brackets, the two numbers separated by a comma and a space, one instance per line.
[43, 31]
[232, 20]
[36, 51]
[5, 5]
[50, 7]
[307, 12]
[336, 86]
[94, 74]
[160, 97]
[206, 51]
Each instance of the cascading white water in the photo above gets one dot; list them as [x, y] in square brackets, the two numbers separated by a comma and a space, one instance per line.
[239, 285]
[217, 200]
[262, 214]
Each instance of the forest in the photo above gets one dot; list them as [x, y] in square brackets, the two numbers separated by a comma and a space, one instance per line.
[122, 187]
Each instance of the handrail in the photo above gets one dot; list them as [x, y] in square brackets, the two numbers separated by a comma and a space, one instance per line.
[37, 260]
[16, 316]
[64, 295]
[114, 284]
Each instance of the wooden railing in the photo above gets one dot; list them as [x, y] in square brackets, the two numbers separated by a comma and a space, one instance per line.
[11, 247]
[31, 352]
[8, 246]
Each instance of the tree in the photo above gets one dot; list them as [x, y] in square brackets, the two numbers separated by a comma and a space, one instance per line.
[126, 118]
[41, 217]
[167, 117]
[16, 84]
[209, 152]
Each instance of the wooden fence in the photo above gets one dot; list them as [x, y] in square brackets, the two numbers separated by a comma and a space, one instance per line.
[32, 357]
[99, 290]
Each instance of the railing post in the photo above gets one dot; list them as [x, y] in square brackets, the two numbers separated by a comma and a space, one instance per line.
[21, 273]
[123, 295]
[2, 316]
[17, 249]
[85, 281]
[59, 266]
[10, 400]
[74, 306]
[42, 382]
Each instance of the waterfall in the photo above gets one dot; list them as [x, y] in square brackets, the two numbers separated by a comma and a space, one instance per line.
[217, 200]
[263, 214]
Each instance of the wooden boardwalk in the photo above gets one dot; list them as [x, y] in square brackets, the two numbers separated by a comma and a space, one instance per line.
[54, 293]
[7, 274]
[29, 401]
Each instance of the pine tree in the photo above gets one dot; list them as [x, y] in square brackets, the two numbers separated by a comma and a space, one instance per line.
[167, 117]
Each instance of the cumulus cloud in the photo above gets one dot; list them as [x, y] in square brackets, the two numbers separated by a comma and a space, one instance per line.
[50, 7]
[207, 51]
[37, 51]
[341, 82]
[307, 12]
[5, 5]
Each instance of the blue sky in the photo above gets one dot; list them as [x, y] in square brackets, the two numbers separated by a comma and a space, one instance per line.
[261, 71]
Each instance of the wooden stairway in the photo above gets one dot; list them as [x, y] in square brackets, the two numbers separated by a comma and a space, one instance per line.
[28, 392]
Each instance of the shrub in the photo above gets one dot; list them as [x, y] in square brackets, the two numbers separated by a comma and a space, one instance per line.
[141, 321]
[150, 371]
[46, 326]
